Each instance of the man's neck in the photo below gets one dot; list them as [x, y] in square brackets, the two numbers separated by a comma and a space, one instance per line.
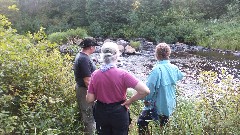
[86, 52]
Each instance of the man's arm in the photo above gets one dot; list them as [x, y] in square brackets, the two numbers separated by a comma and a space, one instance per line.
[90, 97]
[86, 81]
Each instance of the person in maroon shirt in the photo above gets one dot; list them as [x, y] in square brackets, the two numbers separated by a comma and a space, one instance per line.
[108, 87]
[83, 68]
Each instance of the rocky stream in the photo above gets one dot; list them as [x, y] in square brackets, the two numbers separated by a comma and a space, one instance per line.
[190, 59]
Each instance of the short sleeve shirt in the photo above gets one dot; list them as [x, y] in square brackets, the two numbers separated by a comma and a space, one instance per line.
[83, 67]
[111, 86]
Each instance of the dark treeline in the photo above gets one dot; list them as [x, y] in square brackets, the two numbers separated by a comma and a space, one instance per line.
[212, 23]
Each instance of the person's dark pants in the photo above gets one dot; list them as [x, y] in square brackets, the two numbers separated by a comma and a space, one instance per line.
[111, 119]
[148, 115]
[86, 111]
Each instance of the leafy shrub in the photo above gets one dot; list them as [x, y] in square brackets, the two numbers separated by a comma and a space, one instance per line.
[214, 111]
[58, 37]
[221, 35]
[219, 103]
[63, 37]
[149, 31]
[96, 29]
[135, 44]
[129, 32]
[186, 29]
[36, 85]
[79, 32]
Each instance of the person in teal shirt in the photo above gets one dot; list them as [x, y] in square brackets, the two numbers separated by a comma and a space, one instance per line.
[161, 101]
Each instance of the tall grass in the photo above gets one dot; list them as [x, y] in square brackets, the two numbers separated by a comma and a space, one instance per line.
[214, 111]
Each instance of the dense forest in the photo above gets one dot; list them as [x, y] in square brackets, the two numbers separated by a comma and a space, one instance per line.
[211, 23]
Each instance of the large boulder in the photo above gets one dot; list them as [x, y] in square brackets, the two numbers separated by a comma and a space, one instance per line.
[129, 50]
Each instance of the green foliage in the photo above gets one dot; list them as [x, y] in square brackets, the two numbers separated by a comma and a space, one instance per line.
[58, 37]
[54, 15]
[8, 7]
[214, 111]
[111, 15]
[149, 10]
[155, 20]
[233, 11]
[212, 8]
[220, 102]
[96, 30]
[130, 30]
[63, 37]
[8, 122]
[79, 32]
[36, 85]
[37, 92]
[135, 44]
[148, 30]
[223, 35]
[188, 29]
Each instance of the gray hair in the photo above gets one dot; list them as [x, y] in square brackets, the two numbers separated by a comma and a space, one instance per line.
[109, 52]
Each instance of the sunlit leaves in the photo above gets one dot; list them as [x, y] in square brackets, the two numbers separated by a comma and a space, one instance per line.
[13, 7]
[4, 21]
[214, 111]
[36, 83]
[136, 4]
[220, 96]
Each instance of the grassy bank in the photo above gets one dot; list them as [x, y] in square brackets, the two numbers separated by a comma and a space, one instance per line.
[214, 111]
